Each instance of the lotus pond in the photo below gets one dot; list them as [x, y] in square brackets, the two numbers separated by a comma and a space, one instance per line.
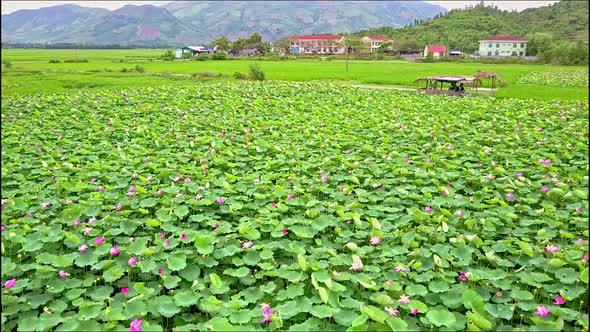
[577, 78]
[282, 206]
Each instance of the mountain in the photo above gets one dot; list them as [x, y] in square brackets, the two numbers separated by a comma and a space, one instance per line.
[461, 29]
[182, 22]
[135, 25]
[276, 19]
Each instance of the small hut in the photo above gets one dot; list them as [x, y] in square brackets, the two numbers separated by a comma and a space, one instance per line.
[434, 84]
[494, 77]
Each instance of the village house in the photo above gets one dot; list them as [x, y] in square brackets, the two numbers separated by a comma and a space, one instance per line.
[193, 51]
[498, 46]
[437, 51]
[318, 45]
[371, 44]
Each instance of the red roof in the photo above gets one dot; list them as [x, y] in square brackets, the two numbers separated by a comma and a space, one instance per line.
[435, 49]
[505, 38]
[379, 38]
[317, 37]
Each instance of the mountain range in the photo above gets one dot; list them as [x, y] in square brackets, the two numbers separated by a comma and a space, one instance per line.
[199, 22]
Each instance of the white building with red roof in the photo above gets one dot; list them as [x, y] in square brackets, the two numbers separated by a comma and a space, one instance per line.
[373, 43]
[437, 51]
[318, 45]
[498, 46]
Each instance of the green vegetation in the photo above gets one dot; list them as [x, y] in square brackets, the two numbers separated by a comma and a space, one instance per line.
[555, 78]
[266, 206]
[27, 77]
[557, 33]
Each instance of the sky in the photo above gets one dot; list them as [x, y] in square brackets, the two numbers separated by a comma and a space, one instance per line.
[12, 6]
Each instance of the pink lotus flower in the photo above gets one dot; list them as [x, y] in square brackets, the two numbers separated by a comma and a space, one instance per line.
[428, 160]
[100, 189]
[555, 180]
[3, 228]
[478, 164]
[285, 231]
[539, 129]
[247, 245]
[46, 205]
[444, 193]
[91, 220]
[389, 282]
[215, 226]
[462, 276]
[266, 313]
[391, 311]
[324, 178]
[198, 197]
[162, 235]
[132, 261]
[220, 200]
[559, 300]
[449, 185]
[132, 239]
[87, 230]
[580, 240]
[519, 174]
[544, 189]
[542, 311]
[356, 266]
[83, 248]
[183, 236]
[510, 196]
[428, 209]
[167, 243]
[273, 204]
[131, 194]
[290, 197]
[99, 240]
[579, 210]
[132, 188]
[460, 213]
[63, 274]
[187, 180]
[10, 283]
[349, 222]
[135, 326]
[375, 240]
[119, 207]
[415, 312]
[401, 269]
[160, 192]
[114, 251]
[93, 180]
[552, 248]
[586, 258]
[29, 214]
[546, 162]
[404, 299]
[160, 272]
[125, 290]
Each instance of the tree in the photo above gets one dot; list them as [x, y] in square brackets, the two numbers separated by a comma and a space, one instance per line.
[384, 47]
[352, 44]
[539, 42]
[223, 44]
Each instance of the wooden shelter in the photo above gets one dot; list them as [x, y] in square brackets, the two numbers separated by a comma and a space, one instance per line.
[481, 75]
[434, 84]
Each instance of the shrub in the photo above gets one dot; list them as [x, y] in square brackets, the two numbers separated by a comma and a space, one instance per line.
[124, 70]
[202, 57]
[240, 76]
[168, 55]
[219, 56]
[206, 74]
[256, 73]
[139, 69]
[77, 60]
[54, 61]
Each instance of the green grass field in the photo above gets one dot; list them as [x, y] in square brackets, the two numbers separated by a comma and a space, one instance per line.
[31, 72]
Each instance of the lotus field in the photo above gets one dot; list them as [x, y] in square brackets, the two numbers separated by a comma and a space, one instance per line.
[555, 78]
[284, 206]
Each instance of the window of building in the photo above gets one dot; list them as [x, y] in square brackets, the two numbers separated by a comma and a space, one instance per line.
[514, 45]
[489, 52]
[521, 45]
[497, 52]
[497, 44]
[521, 53]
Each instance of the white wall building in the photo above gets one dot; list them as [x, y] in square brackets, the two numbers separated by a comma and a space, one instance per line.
[498, 46]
